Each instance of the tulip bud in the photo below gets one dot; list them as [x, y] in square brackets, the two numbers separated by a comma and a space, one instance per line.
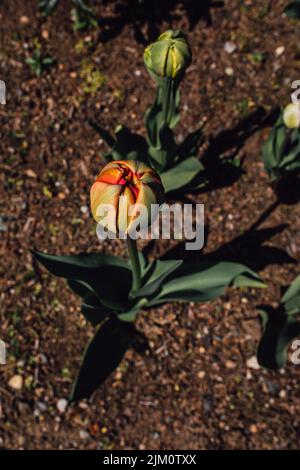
[127, 189]
[291, 115]
[169, 56]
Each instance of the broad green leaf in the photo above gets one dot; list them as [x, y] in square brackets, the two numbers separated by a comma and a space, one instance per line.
[143, 262]
[80, 288]
[102, 356]
[75, 266]
[248, 281]
[279, 330]
[291, 298]
[155, 276]
[130, 315]
[95, 315]
[205, 280]
[109, 276]
[165, 150]
[181, 174]
[92, 309]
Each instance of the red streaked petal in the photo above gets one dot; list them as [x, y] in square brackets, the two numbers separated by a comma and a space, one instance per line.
[108, 195]
[126, 200]
[112, 175]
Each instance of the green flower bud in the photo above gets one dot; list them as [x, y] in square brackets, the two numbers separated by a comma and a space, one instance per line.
[169, 56]
[291, 116]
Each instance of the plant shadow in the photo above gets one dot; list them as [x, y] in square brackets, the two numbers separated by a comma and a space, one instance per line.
[287, 189]
[224, 148]
[149, 15]
[248, 248]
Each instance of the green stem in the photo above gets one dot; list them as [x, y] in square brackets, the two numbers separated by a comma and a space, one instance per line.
[135, 263]
[167, 94]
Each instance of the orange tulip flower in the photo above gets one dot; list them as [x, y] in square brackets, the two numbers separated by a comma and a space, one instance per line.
[126, 190]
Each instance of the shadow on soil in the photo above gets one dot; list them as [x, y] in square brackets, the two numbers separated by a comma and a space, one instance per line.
[150, 15]
[248, 248]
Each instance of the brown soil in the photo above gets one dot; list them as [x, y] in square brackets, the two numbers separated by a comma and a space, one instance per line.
[193, 388]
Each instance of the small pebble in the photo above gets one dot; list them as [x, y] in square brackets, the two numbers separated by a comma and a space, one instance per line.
[282, 394]
[16, 382]
[201, 374]
[229, 71]
[230, 47]
[252, 363]
[279, 50]
[84, 209]
[41, 406]
[83, 434]
[61, 405]
[230, 365]
[253, 429]
[137, 73]
[24, 20]
[45, 34]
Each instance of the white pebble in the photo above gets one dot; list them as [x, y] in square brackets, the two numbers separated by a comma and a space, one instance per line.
[252, 363]
[279, 50]
[229, 47]
[61, 405]
[83, 434]
[229, 71]
[16, 382]
[84, 209]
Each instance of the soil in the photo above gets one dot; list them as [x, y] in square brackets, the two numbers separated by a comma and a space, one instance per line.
[194, 387]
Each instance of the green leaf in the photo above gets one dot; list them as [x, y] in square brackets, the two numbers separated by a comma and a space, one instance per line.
[102, 356]
[165, 150]
[80, 288]
[279, 330]
[291, 298]
[83, 7]
[48, 6]
[181, 174]
[155, 276]
[143, 262]
[108, 276]
[93, 310]
[48, 61]
[95, 315]
[205, 281]
[293, 10]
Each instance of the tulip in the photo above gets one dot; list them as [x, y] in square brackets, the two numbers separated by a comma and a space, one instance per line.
[169, 56]
[291, 115]
[128, 189]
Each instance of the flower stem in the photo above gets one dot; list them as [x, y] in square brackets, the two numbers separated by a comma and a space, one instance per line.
[167, 96]
[135, 263]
